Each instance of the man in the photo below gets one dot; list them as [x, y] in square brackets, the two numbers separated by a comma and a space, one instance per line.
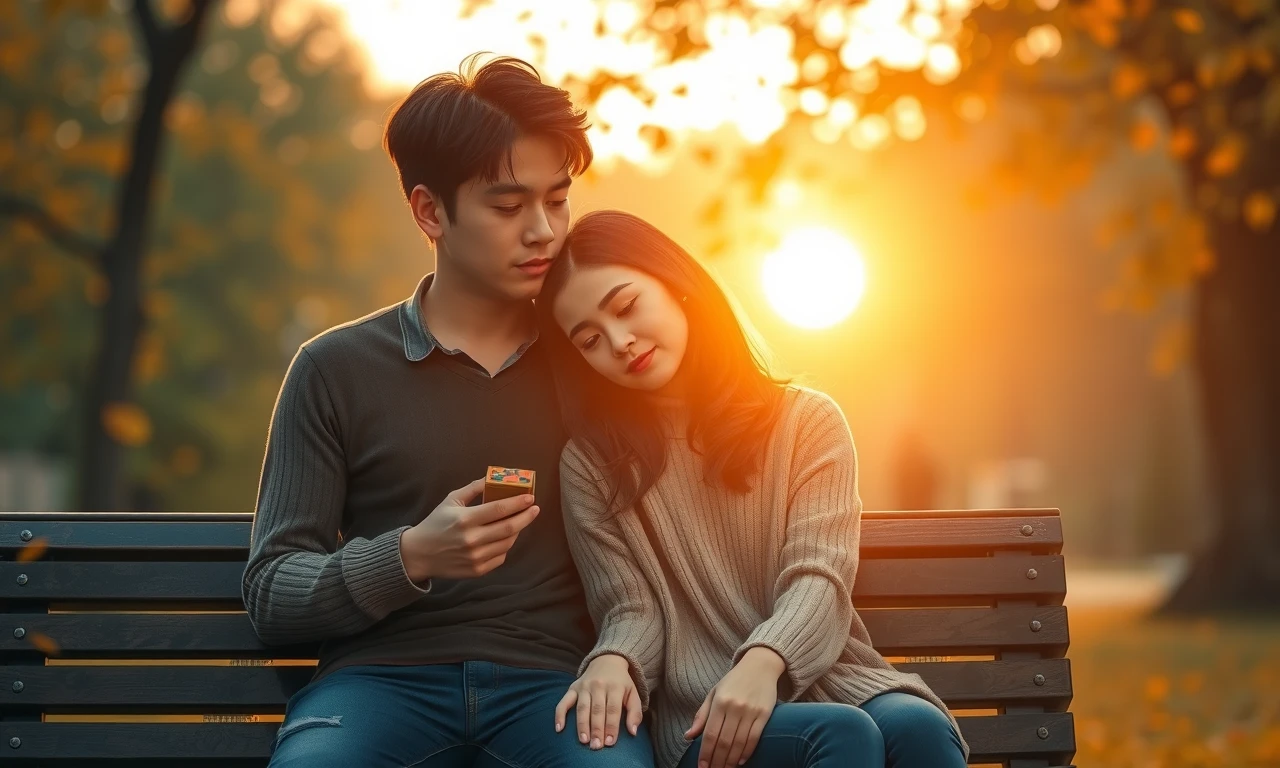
[449, 629]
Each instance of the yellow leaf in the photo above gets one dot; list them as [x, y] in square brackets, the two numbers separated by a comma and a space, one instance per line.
[126, 423]
[1225, 158]
[1188, 21]
[1128, 80]
[1259, 211]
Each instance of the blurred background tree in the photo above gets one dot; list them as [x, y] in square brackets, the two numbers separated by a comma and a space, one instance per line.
[160, 320]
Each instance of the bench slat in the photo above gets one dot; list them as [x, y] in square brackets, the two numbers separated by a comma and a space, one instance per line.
[899, 632]
[883, 534]
[879, 581]
[991, 739]
[261, 690]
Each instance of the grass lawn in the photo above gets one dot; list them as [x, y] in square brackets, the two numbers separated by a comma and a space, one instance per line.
[1157, 693]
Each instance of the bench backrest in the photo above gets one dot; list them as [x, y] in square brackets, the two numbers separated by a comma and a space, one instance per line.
[123, 636]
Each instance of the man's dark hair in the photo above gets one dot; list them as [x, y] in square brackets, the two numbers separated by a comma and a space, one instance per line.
[453, 127]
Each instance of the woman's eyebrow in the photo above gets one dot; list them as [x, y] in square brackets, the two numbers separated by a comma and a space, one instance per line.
[603, 303]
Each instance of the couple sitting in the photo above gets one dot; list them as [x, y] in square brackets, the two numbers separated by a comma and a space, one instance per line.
[678, 592]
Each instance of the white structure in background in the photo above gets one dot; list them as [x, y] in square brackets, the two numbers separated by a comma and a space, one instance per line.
[1007, 483]
[30, 482]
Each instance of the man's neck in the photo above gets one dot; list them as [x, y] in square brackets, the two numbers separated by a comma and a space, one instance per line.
[460, 317]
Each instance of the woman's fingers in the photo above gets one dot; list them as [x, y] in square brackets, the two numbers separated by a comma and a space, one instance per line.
[613, 714]
[753, 738]
[562, 709]
[635, 711]
[584, 715]
[713, 736]
[733, 755]
[699, 719]
[599, 701]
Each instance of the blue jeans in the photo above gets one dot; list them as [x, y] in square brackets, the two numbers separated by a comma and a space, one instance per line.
[896, 730]
[476, 713]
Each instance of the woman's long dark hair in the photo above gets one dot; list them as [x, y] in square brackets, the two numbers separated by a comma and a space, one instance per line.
[732, 398]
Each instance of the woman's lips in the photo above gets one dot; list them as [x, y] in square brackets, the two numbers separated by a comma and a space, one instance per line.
[640, 363]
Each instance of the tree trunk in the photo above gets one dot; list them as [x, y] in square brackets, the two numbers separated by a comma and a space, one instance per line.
[1237, 358]
[101, 484]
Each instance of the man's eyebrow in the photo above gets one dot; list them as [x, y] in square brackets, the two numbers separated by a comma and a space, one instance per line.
[603, 303]
[520, 189]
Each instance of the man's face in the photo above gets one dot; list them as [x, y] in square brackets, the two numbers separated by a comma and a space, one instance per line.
[505, 233]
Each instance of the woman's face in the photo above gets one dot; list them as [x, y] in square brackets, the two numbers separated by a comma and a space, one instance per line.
[625, 323]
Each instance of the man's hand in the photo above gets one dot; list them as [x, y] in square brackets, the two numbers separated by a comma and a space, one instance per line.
[603, 691]
[737, 709]
[460, 542]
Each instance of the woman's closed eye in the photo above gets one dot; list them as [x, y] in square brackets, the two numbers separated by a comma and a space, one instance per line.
[626, 309]
[590, 342]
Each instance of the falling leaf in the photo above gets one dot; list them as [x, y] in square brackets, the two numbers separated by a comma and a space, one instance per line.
[1182, 142]
[1182, 93]
[126, 423]
[1128, 80]
[1157, 686]
[1225, 157]
[1188, 21]
[43, 643]
[1259, 211]
[1143, 135]
[34, 550]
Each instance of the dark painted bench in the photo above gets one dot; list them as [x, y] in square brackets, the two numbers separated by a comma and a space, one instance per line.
[123, 639]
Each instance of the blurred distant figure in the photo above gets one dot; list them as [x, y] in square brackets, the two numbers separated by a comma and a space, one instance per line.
[915, 473]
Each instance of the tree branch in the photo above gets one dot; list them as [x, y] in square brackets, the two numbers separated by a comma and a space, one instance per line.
[150, 28]
[57, 233]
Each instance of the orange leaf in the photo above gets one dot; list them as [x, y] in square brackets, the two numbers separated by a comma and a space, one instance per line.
[1182, 142]
[1128, 80]
[43, 643]
[1225, 157]
[126, 423]
[1182, 93]
[1188, 21]
[34, 550]
[1259, 211]
[1143, 135]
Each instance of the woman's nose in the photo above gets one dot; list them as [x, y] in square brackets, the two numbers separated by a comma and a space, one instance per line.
[622, 344]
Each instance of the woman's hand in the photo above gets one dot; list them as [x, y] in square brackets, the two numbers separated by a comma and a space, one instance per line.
[602, 692]
[737, 708]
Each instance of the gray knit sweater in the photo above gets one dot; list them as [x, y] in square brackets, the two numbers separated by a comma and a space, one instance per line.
[718, 572]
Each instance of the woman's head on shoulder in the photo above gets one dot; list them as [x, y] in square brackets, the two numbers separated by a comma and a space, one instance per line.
[633, 315]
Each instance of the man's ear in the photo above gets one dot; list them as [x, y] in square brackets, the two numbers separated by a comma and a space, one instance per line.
[428, 211]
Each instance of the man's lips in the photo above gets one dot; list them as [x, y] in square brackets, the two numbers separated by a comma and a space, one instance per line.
[534, 266]
[641, 362]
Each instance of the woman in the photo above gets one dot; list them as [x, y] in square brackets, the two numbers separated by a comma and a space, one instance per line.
[713, 513]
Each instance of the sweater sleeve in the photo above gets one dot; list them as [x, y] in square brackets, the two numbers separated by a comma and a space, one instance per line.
[623, 607]
[813, 594]
[299, 585]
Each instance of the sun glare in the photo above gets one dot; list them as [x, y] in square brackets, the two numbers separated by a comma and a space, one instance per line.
[815, 279]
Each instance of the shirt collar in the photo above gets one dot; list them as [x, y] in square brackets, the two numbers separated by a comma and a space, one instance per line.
[418, 339]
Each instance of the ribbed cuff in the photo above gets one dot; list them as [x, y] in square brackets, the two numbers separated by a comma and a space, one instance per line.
[375, 575]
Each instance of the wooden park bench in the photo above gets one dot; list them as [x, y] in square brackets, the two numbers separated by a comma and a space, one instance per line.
[123, 639]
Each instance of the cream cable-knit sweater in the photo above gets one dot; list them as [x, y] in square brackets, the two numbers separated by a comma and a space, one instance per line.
[717, 573]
